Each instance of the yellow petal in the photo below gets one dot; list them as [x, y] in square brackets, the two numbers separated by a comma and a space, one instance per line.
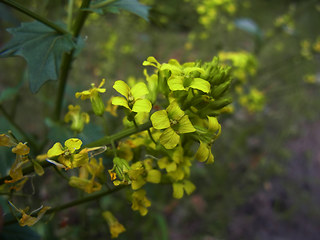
[154, 176]
[120, 101]
[121, 87]
[142, 105]
[169, 138]
[177, 190]
[73, 144]
[160, 120]
[56, 150]
[139, 90]
[21, 149]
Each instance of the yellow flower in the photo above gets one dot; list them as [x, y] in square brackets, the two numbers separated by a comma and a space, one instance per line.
[180, 187]
[21, 150]
[140, 202]
[7, 141]
[27, 219]
[112, 109]
[67, 156]
[142, 172]
[83, 182]
[174, 122]
[77, 118]
[133, 97]
[115, 227]
[95, 98]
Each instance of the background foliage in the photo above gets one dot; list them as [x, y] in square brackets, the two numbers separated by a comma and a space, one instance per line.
[264, 182]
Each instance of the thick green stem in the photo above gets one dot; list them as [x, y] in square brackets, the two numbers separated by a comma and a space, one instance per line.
[74, 203]
[34, 15]
[125, 133]
[67, 59]
[64, 73]
[20, 130]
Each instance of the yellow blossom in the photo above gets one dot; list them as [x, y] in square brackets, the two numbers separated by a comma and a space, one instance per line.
[7, 141]
[28, 219]
[21, 150]
[133, 97]
[83, 182]
[67, 156]
[94, 95]
[115, 227]
[77, 118]
[140, 202]
[180, 187]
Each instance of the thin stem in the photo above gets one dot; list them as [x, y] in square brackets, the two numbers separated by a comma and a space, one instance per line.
[64, 73]
[67, 59]
[74, 203]
[70, 13]
[151, 137]
[102, 4]
[114, 149]
[20, 130]
[34, 15]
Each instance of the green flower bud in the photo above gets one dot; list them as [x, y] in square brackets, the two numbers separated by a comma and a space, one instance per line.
[97, 105]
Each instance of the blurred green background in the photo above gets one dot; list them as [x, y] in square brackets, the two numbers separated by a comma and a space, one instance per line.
[265, 182]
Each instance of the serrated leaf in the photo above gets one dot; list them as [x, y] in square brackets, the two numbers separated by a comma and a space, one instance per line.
[42, 48]
[132, 6]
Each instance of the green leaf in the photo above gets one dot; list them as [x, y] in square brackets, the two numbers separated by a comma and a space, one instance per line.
[160, 120]
[42, 48]
[142, 105]
[169, 138]
[132, 6]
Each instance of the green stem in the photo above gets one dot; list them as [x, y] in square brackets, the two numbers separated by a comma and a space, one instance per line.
[74, 203]
[151, 137]
[67, 59]
[125, 133]
[70, 13]
[34, 15]
[102, 4]
[20, 130]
